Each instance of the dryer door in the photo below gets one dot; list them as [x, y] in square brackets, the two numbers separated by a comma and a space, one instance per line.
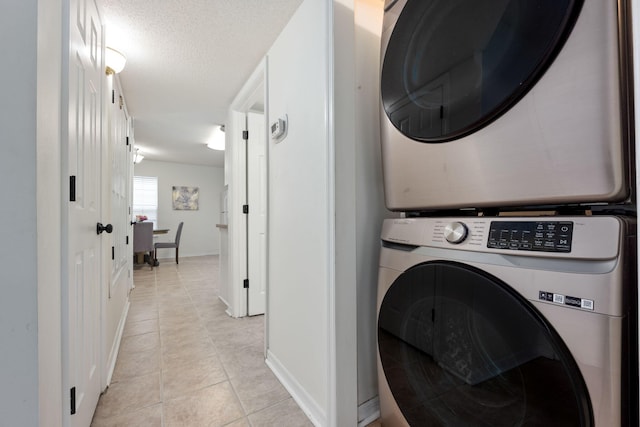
[453, 66]
[460, 348]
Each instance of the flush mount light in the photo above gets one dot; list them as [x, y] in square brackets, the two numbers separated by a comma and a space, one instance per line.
[114, 60]
[216, 142]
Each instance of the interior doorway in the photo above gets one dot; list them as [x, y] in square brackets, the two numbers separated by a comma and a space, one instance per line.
[246, 164]
[257, 212]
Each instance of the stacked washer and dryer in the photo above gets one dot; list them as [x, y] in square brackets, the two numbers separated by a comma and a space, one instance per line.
[507, 290]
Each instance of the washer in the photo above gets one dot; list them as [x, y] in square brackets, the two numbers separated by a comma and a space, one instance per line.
[505, 103]
[522, 321]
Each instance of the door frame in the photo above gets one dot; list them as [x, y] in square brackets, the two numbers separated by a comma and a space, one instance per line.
[253, 91]
[49, 208]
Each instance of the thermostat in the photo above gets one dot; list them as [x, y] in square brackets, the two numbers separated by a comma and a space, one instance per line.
[279, 129]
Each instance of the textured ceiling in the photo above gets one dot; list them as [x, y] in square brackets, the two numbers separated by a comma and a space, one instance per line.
[186, 61]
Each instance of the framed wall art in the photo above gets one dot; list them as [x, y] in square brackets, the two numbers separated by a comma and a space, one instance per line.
[185, 198]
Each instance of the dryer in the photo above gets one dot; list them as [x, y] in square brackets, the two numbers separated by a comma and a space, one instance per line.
[505, 103]
[524, 321]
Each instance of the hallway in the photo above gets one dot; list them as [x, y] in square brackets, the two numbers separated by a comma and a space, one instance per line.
[184, 362]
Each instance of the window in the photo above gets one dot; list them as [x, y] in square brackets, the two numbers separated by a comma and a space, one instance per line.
[145, 197]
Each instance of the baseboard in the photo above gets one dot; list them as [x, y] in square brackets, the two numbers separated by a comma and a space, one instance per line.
[172, 255]
[368, 412]
[228, 311]
[115, 347]
[311, 409]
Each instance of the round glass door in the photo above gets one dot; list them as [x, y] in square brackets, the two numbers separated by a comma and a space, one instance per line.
[460, 348]
[453, 66]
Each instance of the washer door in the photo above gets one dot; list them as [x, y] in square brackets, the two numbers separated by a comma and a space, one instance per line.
[453, 66]
[460, 348]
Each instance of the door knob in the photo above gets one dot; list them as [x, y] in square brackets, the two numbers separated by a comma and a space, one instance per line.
[108, 228]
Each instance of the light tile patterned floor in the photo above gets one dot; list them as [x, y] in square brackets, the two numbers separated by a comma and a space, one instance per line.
[183, 362]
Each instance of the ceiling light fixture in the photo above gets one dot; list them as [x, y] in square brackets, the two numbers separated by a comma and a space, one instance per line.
[114, 60]
[216, 142]
[137, 157]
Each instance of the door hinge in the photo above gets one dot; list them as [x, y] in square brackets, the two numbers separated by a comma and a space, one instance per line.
[113, 252]
[72, 188]
[113, 96]
[73, 400]
[127, 141]
[245, 209]
[245, 135]
[246, 283]
[127, 240]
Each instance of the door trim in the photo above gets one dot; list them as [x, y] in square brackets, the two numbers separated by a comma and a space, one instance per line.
[254, 90]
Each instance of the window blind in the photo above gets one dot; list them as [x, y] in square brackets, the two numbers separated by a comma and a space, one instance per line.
[145, 197]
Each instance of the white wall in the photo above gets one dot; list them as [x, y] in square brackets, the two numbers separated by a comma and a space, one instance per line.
[19, 403]
[343, 325]
[325, 208]
[199, 233]
[300, 209]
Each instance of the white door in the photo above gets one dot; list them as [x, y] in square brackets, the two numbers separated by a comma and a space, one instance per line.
[82, 331]
[257, 220]
[120, 156]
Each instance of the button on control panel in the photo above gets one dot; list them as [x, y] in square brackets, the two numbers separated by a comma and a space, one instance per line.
[546, 236]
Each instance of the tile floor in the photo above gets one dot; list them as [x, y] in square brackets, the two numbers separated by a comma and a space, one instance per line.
[184, 362]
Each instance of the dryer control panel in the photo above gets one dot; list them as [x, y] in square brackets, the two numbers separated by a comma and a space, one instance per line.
[547, 236]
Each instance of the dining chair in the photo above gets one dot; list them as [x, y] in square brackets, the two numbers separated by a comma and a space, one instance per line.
[169, 245]
[143, 240]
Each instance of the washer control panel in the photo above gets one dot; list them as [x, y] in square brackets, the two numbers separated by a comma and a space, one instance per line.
[575, 237]
[546, 236]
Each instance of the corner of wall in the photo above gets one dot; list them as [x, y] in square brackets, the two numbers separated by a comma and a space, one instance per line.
[48, 199]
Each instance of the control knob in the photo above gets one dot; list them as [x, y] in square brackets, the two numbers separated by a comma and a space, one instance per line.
[455, 232]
